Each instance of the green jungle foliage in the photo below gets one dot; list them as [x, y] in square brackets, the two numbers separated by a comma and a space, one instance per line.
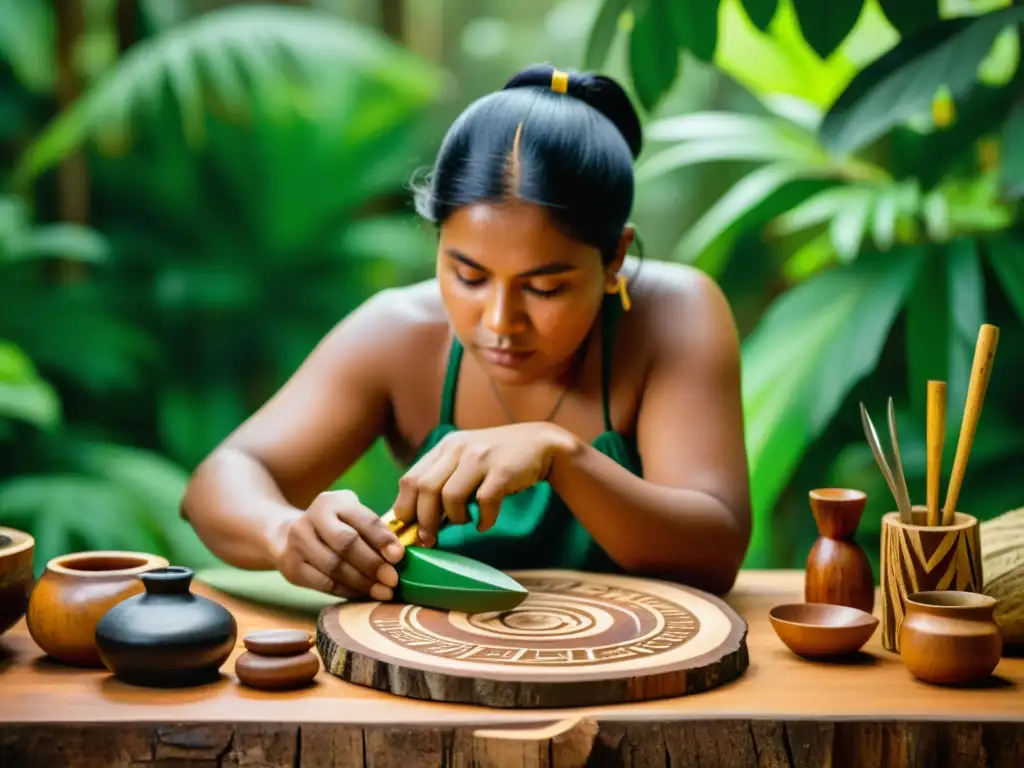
[247, 176]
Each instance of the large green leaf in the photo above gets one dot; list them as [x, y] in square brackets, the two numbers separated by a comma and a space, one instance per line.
[156, 485]
[910, 16]
[810, 348]
[193, 419]
[266, 588]
[1006, 255]
[760, 12]
[653, 53]
[706, 137]
[15, 218]
[849, 228]
[67, 512]
[934, 156]
[74, 330]
[99, 495]
[943, 317]
[845, 209]
[826, 24]
[902, 83]
[809, 258]
[63, 240]
[696, 25]
[23, 394]
[602, 32]
[967, 314]
[27, 42]
[752, 202]
[1012, 146]
[740, 127]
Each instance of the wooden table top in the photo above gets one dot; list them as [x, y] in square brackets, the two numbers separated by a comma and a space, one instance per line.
[777, 686]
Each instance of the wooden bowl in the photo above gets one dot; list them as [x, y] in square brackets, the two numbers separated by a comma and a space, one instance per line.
[820, 630]
[17, 550]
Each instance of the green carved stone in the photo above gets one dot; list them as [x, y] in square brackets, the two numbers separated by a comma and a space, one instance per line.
[433, 578]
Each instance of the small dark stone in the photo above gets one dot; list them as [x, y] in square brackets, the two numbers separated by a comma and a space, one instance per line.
[5, 540]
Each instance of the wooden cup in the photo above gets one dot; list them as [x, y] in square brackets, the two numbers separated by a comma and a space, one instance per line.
[919, 558]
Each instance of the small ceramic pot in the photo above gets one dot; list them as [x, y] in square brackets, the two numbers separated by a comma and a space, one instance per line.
[17, 551]
[166, 637]
[72, 595]
[950, 637]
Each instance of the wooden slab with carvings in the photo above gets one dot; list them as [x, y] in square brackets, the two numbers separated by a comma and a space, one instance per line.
[782, 710]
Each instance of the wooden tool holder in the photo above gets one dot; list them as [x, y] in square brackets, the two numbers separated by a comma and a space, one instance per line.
[918, 558]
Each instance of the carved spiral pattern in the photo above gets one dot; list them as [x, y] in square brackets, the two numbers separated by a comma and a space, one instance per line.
[558, 624]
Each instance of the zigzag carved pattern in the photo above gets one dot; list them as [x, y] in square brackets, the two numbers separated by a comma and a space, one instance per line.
[922, 560]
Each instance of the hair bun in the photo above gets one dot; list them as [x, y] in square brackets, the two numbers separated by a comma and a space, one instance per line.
[600, 92]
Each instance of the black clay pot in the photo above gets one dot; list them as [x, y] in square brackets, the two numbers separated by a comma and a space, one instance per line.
[166, 636]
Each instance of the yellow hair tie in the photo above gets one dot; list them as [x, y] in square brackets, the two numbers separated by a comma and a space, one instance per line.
[559, 81]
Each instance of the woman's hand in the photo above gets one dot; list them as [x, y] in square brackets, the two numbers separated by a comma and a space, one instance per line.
[488, 463]
[340, 547]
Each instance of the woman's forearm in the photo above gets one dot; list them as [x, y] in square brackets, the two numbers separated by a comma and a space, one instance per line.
[647, 528]
[237, 510]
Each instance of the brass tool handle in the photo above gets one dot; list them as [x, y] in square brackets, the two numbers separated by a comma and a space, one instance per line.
[408, 533]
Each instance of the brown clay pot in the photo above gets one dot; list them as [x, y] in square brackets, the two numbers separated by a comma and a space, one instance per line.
[950, 637]
[17, 551]
[74, 593]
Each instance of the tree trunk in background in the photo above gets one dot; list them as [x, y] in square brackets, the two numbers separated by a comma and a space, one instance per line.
[127, 24]
[392, 19]
[73, 173]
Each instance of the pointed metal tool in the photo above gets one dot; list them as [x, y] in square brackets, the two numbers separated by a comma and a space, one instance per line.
[449, 581]
[902, 504]
[898, 477]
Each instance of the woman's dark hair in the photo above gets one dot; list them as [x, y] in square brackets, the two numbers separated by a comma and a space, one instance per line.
[571, 152]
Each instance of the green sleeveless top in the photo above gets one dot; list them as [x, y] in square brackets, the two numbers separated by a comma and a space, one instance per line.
[535, 529]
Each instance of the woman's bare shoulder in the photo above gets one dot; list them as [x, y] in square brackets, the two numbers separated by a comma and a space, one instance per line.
[683, 311]
[671, 282]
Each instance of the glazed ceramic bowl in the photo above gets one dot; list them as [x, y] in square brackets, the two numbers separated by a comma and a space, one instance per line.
[74, 592]
[17, 552]
[950, 637]
[822, 630]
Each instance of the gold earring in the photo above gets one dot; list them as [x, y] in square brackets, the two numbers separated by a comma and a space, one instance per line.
[624, 294]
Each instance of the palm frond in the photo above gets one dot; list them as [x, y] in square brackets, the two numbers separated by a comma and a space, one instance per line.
[265, 58]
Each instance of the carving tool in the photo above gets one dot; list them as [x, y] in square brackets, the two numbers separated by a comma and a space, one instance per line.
[449, 581]
[876, 449]
[981, 372]
[898, 476]
[936, 442]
